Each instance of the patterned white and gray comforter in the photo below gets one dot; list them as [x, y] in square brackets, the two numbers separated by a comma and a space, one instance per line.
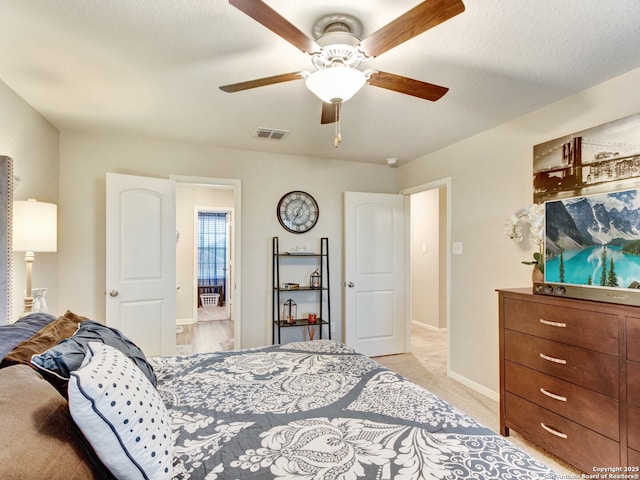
[318, 410]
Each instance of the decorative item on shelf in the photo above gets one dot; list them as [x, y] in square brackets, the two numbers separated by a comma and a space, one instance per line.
[290, 286]
[313, 318]
[314, 280]
[311, 330]
[34, 230]
[289, 311]
[531, 218]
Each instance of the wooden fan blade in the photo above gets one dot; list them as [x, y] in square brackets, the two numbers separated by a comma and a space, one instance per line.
[267, 16]
[419, 19]
[408, 86]
[329, 113]
[262, 82]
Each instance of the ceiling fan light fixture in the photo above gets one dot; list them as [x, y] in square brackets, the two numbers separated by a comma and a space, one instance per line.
[337, 84]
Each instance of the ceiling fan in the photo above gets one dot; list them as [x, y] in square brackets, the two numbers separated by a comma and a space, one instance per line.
[337, 51]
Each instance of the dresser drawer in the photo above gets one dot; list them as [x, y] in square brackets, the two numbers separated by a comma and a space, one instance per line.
[593, 330]
[574, 443]
[633, 383]
[633, 339]
[633, 459]
[633, 427]
[588, 408]
[595, 371]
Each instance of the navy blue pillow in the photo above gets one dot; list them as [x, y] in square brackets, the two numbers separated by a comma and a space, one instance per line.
[68, 355]
[13, 334]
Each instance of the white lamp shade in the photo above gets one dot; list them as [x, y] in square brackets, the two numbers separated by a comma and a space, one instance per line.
[336, 84]
[35, 226]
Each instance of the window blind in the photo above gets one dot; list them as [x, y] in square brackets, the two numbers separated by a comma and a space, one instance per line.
[212, 248]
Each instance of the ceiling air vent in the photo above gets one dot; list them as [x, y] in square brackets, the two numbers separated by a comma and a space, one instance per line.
[271, 134]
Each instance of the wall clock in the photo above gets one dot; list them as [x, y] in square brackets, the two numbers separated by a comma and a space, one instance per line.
[297, 211]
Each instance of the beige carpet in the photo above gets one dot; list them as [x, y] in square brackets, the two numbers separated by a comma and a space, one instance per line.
[427, 366]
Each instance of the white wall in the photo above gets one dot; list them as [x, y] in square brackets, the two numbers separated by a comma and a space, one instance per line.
[85, 159]
[491, 177]
[32, 142]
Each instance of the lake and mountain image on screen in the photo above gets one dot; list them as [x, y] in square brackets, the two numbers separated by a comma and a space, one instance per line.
[594, 240]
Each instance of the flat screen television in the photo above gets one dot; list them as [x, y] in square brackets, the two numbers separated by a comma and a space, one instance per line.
[592, 247]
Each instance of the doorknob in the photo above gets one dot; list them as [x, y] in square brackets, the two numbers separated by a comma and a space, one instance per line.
[350, 285]
[113, 293]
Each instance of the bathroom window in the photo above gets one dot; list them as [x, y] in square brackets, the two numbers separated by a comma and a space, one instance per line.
[212, 248]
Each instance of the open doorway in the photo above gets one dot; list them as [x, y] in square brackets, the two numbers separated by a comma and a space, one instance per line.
[430, 224]
[212, 241]
[428, 306]
[207, 306]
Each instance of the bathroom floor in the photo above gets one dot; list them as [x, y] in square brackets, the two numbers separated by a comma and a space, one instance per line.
[213, 332]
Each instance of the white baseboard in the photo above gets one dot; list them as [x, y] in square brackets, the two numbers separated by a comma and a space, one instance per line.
[475, 386]
[459, 378]
[427, 327]
[185, 321]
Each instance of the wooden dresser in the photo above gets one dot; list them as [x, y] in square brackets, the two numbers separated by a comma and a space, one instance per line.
[633, 390]
[570, 377]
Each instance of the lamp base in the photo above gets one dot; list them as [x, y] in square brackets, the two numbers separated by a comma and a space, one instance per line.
[28, 306]
[29, 257]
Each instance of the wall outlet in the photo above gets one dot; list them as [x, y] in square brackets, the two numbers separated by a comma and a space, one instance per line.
[457, 248]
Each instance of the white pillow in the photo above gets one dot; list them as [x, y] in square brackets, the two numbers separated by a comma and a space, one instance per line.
[121, 414]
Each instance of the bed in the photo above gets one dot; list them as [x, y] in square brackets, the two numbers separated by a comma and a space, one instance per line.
[307, 410]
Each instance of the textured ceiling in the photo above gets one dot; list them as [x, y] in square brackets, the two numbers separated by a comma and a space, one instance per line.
[151, 68]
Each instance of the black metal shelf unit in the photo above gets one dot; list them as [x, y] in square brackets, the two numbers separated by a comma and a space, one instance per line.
[323, 299]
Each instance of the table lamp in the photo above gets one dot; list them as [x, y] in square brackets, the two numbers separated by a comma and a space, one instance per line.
[35, 229]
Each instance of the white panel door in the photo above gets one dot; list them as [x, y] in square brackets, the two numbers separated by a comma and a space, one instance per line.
[374, 273]
[141, 252]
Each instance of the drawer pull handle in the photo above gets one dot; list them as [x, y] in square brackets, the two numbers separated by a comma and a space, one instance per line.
[552, 324]
[553, 359]
[553, 431]
[552, 395]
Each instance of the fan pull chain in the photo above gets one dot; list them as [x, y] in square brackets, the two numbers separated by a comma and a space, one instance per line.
[338, 139]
